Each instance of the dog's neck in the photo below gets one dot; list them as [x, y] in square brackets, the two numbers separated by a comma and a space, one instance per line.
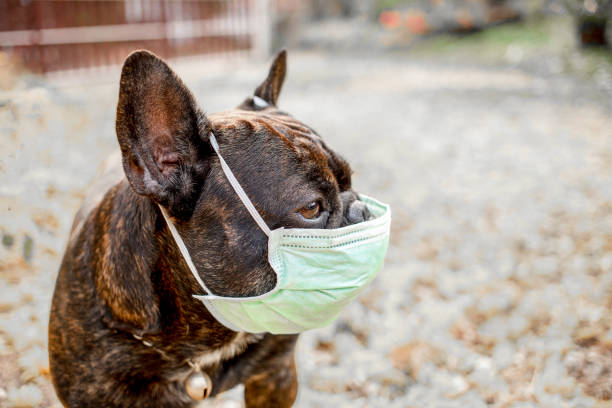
[153, 255]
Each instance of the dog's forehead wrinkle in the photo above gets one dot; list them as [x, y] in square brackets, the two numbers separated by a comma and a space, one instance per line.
[259, 118]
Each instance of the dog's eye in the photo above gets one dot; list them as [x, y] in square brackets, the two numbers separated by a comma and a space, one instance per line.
[311, 211]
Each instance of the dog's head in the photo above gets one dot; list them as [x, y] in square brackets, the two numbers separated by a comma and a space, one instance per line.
[293, 178]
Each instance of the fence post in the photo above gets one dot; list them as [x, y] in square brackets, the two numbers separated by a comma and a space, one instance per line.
[261, 27]
[35, 39]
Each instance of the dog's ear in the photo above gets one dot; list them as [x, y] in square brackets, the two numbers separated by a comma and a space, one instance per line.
[163, 135]
[270, 89]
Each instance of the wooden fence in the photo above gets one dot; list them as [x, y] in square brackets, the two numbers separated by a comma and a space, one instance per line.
[57, 35]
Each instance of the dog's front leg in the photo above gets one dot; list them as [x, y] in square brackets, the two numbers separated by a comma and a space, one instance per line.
[276, 387]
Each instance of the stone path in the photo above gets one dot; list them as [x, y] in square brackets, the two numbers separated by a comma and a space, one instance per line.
[497, 289]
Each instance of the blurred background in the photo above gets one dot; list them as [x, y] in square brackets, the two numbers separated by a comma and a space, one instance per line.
[486, 124]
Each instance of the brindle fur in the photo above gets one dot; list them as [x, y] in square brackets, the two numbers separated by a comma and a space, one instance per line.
[122, 275]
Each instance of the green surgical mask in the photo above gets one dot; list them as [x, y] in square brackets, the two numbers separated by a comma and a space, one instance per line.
[318, 271]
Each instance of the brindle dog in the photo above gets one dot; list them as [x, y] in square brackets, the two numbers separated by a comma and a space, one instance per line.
[124, 327]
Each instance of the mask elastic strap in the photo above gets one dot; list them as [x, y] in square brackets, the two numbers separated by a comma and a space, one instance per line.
[243, 197]
[183, 249]
[238, 189]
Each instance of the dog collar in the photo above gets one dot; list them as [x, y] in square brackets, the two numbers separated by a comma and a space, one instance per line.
[198, 384]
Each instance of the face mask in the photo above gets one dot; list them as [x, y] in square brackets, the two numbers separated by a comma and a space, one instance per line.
[318, 271]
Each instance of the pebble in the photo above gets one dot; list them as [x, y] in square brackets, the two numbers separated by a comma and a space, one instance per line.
[9, 298]
[503, 354]
[34, 363]
[28, 395]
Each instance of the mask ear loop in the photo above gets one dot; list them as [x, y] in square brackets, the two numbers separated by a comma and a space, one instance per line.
[238, 189]
[183, 249]
[243, 197]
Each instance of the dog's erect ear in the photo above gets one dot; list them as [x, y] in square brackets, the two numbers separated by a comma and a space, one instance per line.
[271, 87]
[162, 133]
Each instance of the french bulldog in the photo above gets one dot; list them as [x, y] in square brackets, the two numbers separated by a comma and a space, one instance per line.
[124, 328]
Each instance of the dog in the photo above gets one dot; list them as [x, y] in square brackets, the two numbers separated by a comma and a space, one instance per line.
[124, 328]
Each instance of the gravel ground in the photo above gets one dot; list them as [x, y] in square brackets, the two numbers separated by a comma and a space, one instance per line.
[497, 288]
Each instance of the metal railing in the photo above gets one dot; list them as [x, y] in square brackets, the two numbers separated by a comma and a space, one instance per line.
[57, 35]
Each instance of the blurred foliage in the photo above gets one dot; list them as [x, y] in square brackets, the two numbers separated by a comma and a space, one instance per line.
[530, 33]
[388, 4]
[530, 41]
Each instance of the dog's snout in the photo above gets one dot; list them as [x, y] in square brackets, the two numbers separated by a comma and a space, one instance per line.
[355, 211]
